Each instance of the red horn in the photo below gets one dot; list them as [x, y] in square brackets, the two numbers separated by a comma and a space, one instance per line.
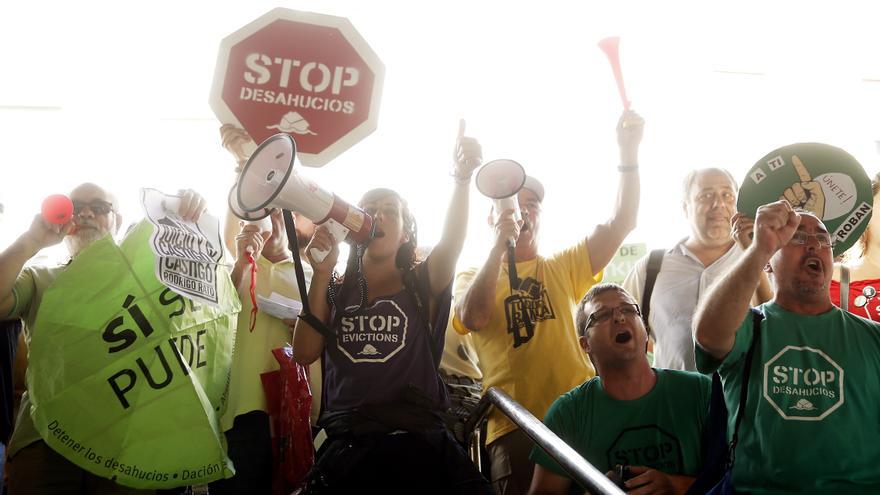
[57, 209]
[610, 47]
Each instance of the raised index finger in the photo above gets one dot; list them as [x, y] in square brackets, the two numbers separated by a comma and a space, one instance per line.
[460, 128]
[801, 170]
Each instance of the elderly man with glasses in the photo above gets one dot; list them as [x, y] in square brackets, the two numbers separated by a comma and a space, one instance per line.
[631, 419]
[33, 466]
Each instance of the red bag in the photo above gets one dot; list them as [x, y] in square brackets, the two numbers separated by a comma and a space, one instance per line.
[289, 401]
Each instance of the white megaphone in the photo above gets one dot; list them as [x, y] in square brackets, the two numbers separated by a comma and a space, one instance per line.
[269, 180]
[260, 218]
[501, 180]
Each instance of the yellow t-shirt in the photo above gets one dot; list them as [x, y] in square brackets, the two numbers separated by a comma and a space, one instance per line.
[253, 350]
[533, 369]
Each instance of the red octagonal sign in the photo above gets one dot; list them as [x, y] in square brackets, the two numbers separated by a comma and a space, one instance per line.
[309, 75]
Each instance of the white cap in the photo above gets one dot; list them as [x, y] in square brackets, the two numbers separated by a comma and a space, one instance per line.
[534, 185]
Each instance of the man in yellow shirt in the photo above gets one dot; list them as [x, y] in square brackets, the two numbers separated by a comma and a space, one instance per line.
[526, 340]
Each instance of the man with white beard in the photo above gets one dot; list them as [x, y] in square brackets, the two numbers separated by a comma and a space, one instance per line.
[33, 466]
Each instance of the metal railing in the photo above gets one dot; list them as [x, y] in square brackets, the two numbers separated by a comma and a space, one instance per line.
[576, 466]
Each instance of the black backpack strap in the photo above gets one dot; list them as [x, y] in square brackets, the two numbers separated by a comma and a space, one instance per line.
[844, 287]
[718, 453]
[757, 317]
[655, 261]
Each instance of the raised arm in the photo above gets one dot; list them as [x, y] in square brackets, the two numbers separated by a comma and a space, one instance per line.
[41, 234]
[607, 237]
[722, 310]
[743, 231]
[441, 263]
[308, 343]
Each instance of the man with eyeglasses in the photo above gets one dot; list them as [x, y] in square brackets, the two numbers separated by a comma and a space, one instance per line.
[811, 421]
[644, 422]
[688, 269]
[524, 336]
[33, 466]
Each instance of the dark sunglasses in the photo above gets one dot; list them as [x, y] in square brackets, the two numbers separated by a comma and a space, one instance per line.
[97, 207]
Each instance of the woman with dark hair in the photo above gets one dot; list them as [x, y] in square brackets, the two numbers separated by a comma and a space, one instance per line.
[860, 278]
[384, 323]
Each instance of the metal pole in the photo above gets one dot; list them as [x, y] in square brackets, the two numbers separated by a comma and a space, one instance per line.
[582, 471]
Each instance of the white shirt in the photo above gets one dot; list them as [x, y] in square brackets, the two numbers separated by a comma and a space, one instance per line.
[681, 282]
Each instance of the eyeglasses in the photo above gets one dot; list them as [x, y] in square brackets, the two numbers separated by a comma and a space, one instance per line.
[97, 207]
[800, 237]
[628, 310]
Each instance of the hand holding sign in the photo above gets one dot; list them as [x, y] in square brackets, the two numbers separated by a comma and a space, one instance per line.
[743, 229]
[807, 193]
[238, 142]
[468, 154]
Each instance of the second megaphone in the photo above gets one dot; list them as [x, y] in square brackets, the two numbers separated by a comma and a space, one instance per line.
[501, 180]
[269, 180]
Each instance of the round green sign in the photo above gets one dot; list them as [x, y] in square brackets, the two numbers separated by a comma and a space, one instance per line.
[819, 178]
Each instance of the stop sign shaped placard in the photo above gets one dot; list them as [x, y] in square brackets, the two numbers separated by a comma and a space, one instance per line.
[309, 75]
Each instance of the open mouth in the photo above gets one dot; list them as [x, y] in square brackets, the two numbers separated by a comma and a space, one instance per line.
[377, 234]
[623, 337]
[813, 265]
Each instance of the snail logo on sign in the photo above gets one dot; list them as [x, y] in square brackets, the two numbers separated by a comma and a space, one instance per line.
[293, 123]
[803, 384]
[309, 75]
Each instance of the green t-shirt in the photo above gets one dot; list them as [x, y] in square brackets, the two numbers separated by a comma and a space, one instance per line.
[662, 429]
[28, 293]
[812, 418]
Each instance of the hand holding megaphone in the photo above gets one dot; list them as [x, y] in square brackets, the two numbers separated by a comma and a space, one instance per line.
[501, 180]
[323, 249]
[508, 222]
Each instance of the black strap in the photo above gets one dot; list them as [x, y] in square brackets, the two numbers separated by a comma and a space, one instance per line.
[844, 287]
[515, 283]
[655, 261]
[757, 316]
[306, 313]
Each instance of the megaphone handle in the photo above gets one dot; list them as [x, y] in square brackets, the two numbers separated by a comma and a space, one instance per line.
[337, 230]
[511, 269]
[318, 255]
